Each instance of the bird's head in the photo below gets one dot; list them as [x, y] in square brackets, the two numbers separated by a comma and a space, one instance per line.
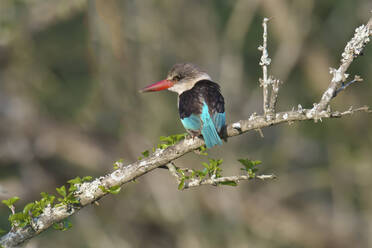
[180, 78]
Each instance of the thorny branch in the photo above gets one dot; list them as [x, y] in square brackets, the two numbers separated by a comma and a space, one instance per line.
[90, 192]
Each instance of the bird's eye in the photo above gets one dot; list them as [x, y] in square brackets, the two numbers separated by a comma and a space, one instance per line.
[176, 78]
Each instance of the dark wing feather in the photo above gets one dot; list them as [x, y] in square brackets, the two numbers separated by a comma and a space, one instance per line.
[210, 92]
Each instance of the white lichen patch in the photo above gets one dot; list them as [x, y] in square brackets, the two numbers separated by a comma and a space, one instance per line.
[88, 190]
[355, 46]
[117, 176]
[48, 210]
[142, 163]
[158, 152]
[337, 75]
[252, 117]
[312, 112]
[39, 223]
[189, 142]
[285, 116]
[236, 125]
[329, 92]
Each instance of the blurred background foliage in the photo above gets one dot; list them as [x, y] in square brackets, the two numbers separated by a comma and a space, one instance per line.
[69, 106]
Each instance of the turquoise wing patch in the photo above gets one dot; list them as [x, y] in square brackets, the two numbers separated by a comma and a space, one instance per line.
[209, 131]
[192, 122]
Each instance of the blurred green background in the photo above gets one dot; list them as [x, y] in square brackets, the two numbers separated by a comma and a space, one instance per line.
[69, 106]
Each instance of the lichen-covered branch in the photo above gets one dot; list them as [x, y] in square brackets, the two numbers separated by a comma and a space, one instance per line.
[352, 50]
[265, 62]
[90, 192]
[269, 97]
[216, 181]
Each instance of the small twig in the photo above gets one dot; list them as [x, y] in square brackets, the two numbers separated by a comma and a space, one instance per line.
[269, 97]
[265, 62]
[173, 170]
[344, 86]
[351, 111]
[215, 181]
[259, 130]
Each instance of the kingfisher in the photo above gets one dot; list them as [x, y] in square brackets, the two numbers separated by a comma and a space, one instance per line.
[200, 104]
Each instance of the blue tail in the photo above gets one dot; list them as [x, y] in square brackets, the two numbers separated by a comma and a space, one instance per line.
[219, 120]
[209, 131]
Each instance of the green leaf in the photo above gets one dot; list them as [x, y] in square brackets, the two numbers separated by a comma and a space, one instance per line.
[203, 150]
[146, 153]
[182, 184]
[103, 189]
[87, 178]
[19, 219]
[114, 189]
[193, 174]
[180, 171]
[213, 167]
[118, 164]
[170, 140]
[44, 195]
[28, 208]
[72, 188]
[10, 202]
[76, 180]
[46, 199]
[249, 164]
[62, 191]
[71, 199]
[205, 165]
[230, 183]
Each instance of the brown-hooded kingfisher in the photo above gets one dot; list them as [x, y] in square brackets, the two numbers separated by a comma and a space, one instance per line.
[200, 103]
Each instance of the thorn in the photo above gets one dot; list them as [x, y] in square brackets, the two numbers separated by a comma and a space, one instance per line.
[300, 109]
[260, 132]
[329, 109]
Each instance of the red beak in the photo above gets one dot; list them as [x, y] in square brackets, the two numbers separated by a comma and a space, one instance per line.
[161, 85]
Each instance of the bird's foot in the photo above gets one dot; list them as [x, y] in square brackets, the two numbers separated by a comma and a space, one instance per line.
[192, 134]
